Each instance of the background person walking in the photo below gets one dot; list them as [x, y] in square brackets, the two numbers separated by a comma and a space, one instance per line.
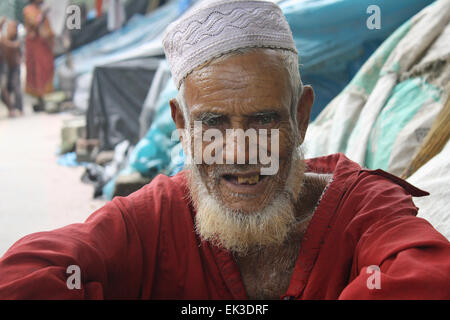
[39, 52]
[12, 93]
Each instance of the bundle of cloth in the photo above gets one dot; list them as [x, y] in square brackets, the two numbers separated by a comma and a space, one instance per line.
[381, 119]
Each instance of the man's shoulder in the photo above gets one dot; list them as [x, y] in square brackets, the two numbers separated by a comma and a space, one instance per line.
[360, 197]
[363, 206]
[349, 174]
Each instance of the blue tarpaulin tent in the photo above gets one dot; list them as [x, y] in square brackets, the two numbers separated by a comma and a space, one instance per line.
[333, 39]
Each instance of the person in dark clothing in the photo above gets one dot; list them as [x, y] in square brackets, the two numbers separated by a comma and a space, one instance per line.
[12, 96]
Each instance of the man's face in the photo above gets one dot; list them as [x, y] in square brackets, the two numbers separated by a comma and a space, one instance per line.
[249, 91]
[237, 207]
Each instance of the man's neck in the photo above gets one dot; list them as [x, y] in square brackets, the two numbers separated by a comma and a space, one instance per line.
[314, 185]
[266, 272]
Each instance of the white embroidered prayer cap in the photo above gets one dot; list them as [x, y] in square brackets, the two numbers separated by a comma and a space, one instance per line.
[216, 27]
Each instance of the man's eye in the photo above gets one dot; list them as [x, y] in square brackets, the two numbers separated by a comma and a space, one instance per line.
[212, 121]
[265, 119]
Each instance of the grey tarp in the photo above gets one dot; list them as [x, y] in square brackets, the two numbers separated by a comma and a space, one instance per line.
[117, 95]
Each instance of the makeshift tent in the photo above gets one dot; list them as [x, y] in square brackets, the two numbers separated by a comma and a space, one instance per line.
[160, 150]
[135, 39]
[139, 38]
[117, 94]
[330, 49]
[383, 115]
[333, 39]
[96, 28]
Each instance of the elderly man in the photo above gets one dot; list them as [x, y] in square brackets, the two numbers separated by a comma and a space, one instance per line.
[322, 228]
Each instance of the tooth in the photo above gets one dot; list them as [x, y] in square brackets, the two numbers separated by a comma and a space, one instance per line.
[242, 180]
[254, 179]
[250, 180]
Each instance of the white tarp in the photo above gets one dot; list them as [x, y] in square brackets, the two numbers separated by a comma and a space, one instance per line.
[434, 177]
[378, 119]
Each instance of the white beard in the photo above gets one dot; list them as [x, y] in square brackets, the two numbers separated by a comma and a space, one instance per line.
[241, 232]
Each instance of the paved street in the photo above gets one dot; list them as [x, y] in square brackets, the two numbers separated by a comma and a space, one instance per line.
[37, 194]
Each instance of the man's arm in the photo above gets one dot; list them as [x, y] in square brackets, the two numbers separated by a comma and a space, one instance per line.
[106, 248]
[398, 256]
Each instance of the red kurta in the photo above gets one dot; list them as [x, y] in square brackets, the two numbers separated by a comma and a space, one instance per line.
[144, 247]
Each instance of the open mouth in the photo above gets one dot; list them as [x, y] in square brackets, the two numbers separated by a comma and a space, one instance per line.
[249, 179]
[238, 187]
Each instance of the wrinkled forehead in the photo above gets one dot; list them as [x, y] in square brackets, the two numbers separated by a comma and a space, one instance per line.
[253, 77]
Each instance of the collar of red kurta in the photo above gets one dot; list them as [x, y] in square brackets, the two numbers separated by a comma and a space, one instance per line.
[344, 172]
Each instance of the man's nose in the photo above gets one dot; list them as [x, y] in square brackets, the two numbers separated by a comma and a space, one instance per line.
[232, 148]
[237, 144]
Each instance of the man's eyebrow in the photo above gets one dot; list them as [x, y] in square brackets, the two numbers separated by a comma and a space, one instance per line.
[264, 113]
[204, 116]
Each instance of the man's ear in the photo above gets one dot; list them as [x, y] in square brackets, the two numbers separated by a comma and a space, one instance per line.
[177, 114]
[304, 107]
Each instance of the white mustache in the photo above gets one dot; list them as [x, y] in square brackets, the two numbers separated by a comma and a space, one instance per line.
[235, 169]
